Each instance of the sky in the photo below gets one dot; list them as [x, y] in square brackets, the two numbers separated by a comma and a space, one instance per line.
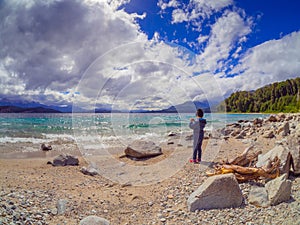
[137, 54]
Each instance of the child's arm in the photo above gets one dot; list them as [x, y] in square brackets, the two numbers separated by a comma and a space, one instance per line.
[192, 124]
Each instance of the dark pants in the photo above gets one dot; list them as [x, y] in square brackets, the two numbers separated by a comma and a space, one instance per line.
[197, 146]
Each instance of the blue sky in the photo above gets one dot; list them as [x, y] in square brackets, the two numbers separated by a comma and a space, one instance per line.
[134, 54]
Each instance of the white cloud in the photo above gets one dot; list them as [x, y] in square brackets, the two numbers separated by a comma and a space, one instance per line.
[179, 16]
[224, 36]
[199, 10]
[274, 60]
[171, 4]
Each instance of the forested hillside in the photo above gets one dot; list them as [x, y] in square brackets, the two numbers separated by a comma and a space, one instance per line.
[277, 97]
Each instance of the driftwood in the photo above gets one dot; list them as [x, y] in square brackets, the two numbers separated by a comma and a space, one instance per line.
[240, 167]
[246, 158]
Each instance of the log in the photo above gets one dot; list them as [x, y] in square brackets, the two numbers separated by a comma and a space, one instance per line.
[245, 159]
[243, 174]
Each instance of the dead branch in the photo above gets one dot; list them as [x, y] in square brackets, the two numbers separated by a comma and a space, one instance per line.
[245, 159]
[243, 174]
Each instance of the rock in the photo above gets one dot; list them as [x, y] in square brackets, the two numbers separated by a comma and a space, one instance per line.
[281, 116]
[45, 147]
[65, 160]
[90, 170]
[285, 129]
[282, 153]
[241, 135]
[279, 190]
[94, 220]
[220, 191]
[172, 134]
[258, 122]
[142, 149]
[61, 206]
[269, 134]
[189, 137]
[294, 148]
[272, 118]
[258, 196]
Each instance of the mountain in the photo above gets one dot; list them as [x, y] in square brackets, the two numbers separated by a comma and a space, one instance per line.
[186, 107]
[16, 109]
[32, 104]
[276, 97]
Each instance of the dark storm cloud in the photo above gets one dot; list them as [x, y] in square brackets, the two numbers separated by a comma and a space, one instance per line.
[51, 43]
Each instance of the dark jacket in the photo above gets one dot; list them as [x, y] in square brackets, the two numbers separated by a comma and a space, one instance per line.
[198, 126]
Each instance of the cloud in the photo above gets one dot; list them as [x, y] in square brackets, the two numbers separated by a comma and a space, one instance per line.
[226, 34]
[48, 44]
[196, 11]
[272, 61]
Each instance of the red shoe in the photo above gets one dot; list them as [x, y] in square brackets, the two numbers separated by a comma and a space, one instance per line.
[192, 160]
[198, 160]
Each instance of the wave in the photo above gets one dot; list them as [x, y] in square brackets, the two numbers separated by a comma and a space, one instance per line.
[150, 125]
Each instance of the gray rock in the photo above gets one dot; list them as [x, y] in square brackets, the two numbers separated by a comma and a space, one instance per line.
[172, 134]
[45, 147]
[279, 190]
[90, 170]
[65, 160]
[258, 122]
[61, 206]
[258, 196]
[281, 152]
[189, 137]
[142, 149]
[220, 191]
[294, 148]
[94, 220]
[269, 134]
[273, 118]
[285, 129]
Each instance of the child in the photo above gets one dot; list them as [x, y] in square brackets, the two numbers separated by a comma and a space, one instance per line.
[198, 135]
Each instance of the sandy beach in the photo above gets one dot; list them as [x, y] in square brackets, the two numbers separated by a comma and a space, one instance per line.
[31, 188]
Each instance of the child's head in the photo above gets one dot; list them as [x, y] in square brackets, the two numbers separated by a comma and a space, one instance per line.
[199, 113]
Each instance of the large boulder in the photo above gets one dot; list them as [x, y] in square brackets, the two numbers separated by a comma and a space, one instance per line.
[142, 149]
[94, 220]
[275, 191]
[220, 191]
[65, 160]
[279, 190]
[258, 196]
[294, 147]
[279, 151]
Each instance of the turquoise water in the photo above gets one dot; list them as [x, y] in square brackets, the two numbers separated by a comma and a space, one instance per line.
[41, 127]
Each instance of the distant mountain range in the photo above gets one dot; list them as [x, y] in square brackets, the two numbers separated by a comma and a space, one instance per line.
[15, 109]
[34, 105]
[7, 106]
[187, 107]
